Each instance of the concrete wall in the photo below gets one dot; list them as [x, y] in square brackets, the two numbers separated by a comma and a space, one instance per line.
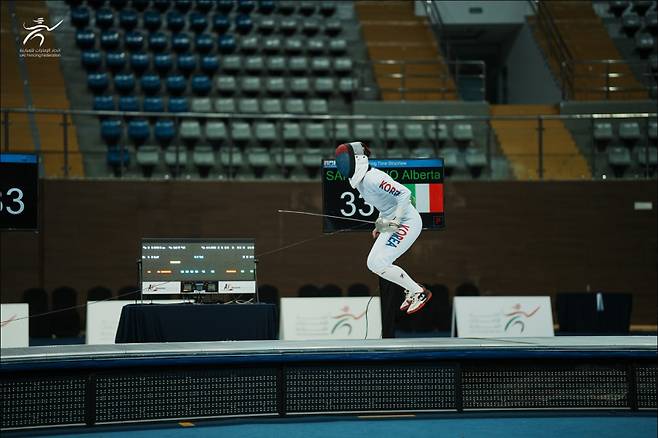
[483, 12]
[510, 238]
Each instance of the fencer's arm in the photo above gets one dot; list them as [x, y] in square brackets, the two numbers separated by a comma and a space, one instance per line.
[404, 201]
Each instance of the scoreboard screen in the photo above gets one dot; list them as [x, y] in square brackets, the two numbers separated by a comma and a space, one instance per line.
[423, 177]
[19, 182]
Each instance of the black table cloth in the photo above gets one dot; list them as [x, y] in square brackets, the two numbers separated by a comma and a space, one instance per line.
[196, 322]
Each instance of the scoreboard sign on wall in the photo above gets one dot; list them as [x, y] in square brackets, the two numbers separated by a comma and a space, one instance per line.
[423, 177]
[19, 179]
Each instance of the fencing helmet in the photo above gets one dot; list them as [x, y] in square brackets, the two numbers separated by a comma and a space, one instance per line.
[352, 161]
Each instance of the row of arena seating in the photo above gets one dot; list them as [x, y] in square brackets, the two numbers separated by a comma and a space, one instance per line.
[629, 133]
[244, 133]
[642, 160]
[639, 21]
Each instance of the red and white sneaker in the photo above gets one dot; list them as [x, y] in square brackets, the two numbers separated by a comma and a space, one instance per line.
[418, 301]
[408, 298]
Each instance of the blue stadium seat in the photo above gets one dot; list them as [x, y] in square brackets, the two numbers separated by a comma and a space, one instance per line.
[103, 103]
[164, 131]
[220, 23]
[80, 17]
[246, 6]
[104, 18]
[153, 104]
[175, 21]
[98, 82]
[117, 157]
[115, 61]
[203, 43]
[209, 64]
[243, 24]
[133, 40]
[186, 63]
[124, 83]
[128, 19]
[163, 63]
[183, 5]
[161, 5]
[177, 105]
[111, 131]
[180, 42]
[138, 131]
[201, 85]
[150, 83]
[128, 103]
[157, 42]
[140, 5]
[224, 6]
[152, 20]
[226, 44]
[176, 84]
[139, 62]
[91, 59]
[198, 22]
[109, 39]
[204, 5]
[85, 39]
[266, 7]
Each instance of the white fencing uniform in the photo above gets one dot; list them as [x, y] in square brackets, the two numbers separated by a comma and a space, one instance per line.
[393, 200]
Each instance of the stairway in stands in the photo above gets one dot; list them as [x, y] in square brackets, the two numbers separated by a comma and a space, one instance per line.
[44, 89]
[586, 38]
[392, 31]
[519, 142]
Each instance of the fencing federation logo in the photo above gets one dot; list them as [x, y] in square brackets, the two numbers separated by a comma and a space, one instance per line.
[35, 31]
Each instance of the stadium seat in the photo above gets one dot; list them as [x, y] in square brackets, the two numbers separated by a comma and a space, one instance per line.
[189, 131]
[258, 159]
[422, 152]
[295, 106]
[272, 44]
[103, 103]
[618, 7]
[186, 63]
[164, 131]
[118, 4]
[265, 132]
[315, 133]
[289, 26]
[124, 83]
[246, 6]
[254, 64]
[175, 157]
[343, 66]
[291, 133]
[109, 40]
[111, 131]
[115, 61]
[412, 132]
[602, 134]
[209, 65]
[243, 24]
[204, 5]
[644, 44]
[176, 84]
[138, 131]
[651, 23]
[266, 25]
[306, 8]
[161, 5]
[216, 132]
[152, 20]
[204, 43]
[315, 46]
[266, 7]
[437, 133]
[249, 106]
[450, 159]
[642, 6]
[104, 18]
[140, 5]
[226, 44]
[148, 157]
[630, 24]
[327, 8]
[476, 161]
[180, 42]
[275, 86]
[163, 63]
[333, 28]
[241, 132]
[198, 22]
[128, 103]
[175, 21]
[98, 82]
[310, 27]
[337, 46]
[177, 105]
[183, 5]
[342, 132]
[201, 85]
[157, 42]
[619, 159]
[293, 46]
[250, 85]
[271, 106]
[365, 131]
[203, 157]
[91, 59]
[276, 64]
[231, 158]
[139, 62]
[298, 65]
[231, 63]
[286, 7]
[150, 83]
[117, 158]
[286, 159]
[133, 40]
[346, 87]
[629, 132]
[389, 132]
[320, 65]
[225, 85]
[311, 159]
[324, 86]
[299, 86]
[220, 23]
[225, 105]
[318, 106]
[462, 133]
[153, 104]
[80, 17]
[653, 132]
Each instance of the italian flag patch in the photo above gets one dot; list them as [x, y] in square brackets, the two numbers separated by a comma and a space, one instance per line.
[427, 198]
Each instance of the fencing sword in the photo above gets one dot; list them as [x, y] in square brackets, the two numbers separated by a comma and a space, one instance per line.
[326, 215]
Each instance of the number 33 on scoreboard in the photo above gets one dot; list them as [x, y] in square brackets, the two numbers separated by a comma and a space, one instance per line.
[352, 207]
[16, 196]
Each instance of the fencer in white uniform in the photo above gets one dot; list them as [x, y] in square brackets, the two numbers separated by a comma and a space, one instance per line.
[399, 223]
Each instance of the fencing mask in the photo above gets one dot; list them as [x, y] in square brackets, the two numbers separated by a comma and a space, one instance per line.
[352, 161]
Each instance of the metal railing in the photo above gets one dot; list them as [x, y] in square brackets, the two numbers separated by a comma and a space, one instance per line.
[606, 71]
[430, 145]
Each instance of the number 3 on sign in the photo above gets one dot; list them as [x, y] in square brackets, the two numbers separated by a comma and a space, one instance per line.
[17, 200]
[350, 203]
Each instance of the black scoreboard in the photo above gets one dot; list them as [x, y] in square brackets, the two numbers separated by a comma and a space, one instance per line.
[19, 182]
[423, 177]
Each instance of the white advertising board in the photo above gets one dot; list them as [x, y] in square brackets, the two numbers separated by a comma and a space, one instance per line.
[330, 318]
[500, 317]
[14, 325]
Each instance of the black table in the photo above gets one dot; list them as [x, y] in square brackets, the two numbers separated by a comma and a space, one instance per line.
[196, 322]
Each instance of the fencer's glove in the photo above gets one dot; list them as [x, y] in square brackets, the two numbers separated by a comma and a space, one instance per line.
[386, 225]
